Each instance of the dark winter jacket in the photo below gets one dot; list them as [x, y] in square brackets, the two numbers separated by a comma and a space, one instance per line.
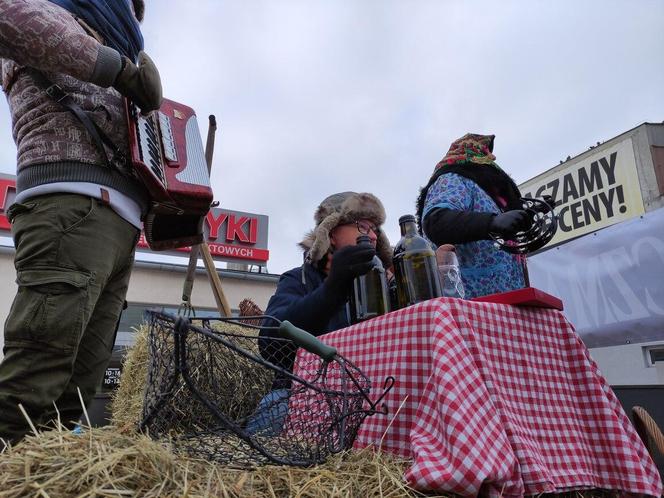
[302, 299]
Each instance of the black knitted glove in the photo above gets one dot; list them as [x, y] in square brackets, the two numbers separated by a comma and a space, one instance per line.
[509, 223]
[348, 263]
[141, 84]
[549, 200]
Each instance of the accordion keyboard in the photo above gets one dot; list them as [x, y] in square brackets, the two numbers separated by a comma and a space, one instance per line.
[166, 151]
[150, 144]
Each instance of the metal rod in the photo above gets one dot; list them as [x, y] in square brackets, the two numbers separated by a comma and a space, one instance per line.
[215, 282]
[222, 303]
[193, 255]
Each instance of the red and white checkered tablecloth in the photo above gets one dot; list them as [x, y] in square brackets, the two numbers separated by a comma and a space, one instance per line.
[493, 399]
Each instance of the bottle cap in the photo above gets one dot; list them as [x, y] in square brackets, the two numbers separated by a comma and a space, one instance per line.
[406, 218]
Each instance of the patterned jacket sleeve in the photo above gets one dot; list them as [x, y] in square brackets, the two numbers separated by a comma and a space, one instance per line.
[448, 217]
[41, 34]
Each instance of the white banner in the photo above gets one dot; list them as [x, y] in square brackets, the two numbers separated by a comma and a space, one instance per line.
[611, 281]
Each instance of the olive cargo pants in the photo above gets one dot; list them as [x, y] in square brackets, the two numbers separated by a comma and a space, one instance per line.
[73, 260]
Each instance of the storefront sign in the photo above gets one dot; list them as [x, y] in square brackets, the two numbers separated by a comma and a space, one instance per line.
[7, 194]
[231, 235]
[592, 193]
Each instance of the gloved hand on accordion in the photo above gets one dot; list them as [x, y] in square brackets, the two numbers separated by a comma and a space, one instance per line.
[140, 83]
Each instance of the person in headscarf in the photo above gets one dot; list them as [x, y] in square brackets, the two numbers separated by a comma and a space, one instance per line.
[77, 214]
[467, 198]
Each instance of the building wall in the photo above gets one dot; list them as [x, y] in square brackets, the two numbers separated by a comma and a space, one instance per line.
[644, 138]
[161, 284]
[625, 364]
[628, 365]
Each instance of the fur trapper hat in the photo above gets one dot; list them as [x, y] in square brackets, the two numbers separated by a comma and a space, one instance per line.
[346, 207]
[139, 9]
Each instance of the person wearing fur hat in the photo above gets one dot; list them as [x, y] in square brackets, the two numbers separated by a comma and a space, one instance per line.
[468, 197]
[65, 66]
[314, 296]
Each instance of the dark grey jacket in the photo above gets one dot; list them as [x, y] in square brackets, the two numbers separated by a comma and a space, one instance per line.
[302, 299]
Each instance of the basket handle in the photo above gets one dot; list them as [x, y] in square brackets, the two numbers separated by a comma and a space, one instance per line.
[306, 341]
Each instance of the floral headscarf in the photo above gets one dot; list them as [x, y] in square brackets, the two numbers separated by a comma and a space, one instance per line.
[471, 148]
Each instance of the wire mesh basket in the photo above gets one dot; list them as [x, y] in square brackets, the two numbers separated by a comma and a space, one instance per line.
[225, 394]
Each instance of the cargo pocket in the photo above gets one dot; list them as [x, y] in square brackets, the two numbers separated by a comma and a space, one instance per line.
[19, 208]
[49, 309]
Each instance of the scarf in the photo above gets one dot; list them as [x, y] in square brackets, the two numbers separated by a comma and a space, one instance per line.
[112, 19]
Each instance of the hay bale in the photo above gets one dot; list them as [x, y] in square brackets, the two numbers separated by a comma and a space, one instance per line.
[108, 462]
[230, 381]
[233, 382]
[127, 400]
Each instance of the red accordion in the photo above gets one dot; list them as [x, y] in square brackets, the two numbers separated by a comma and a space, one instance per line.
[166, 151]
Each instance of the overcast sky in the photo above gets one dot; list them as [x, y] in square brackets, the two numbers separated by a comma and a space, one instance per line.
[320, 96]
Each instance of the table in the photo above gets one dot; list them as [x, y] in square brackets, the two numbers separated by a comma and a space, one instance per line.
[494, 399]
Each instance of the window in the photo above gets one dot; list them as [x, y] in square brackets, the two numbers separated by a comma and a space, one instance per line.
[654, 355]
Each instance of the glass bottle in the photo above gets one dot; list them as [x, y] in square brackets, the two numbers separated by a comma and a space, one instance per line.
[369, 297]
[450, 275]
[415, 266]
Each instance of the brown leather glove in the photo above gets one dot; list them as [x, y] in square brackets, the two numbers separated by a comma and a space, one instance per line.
[141, 84]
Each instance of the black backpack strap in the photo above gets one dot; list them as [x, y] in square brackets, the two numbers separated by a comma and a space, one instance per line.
[96, 133]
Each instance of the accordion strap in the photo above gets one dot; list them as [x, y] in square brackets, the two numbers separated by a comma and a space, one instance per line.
[98, 136]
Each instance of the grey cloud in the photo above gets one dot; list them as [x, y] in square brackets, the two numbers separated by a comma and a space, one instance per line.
[319, 96]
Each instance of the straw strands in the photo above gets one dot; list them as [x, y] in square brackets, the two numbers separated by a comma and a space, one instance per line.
[107, 462]
[232, 382]
[204, 387]
[117, 461]
[127, 399]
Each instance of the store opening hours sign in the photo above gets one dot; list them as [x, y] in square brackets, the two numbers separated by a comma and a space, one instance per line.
[231, 235]
[592, 193]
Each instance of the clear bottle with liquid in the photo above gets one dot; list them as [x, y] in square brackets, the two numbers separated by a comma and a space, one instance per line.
[369, 296]
[415, 266]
